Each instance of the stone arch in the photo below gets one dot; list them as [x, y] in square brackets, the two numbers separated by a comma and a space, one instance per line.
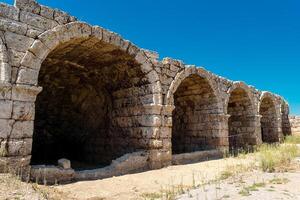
[49, 40]
[95, 89]
[169, 100]
[242, 116]
[285, 121]
[269, 118]
[196, 111]
[5, 68]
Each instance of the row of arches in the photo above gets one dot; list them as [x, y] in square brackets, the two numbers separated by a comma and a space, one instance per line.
[97, 91]
[249, 122]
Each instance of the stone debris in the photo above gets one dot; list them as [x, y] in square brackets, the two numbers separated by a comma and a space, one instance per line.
[64, 163]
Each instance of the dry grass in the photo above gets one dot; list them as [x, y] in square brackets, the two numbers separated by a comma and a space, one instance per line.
[267, 158]
[292, 139]
[276, 158]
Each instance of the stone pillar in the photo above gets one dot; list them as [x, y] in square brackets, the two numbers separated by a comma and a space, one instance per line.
[221, 135]
[279, 129]
[16, 128]
[257, 133]
[162, 157]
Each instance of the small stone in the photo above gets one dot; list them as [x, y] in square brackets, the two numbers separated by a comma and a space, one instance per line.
[64, 163]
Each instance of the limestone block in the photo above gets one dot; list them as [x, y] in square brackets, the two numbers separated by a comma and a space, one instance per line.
[106, 35]
[5, 72]
[5, 91]
[64, 163]
[51, 174]
[10, 163]
[18, 42]
[78, 29]
[22, 129]
[37, 21]
[50, 38]
[19, 147]
[33, 32]
[149, 120]
[15, 57]
[25, 93]
[61, 17]
[24, 111]
[12, 26]
[124, 44]
[115, 39]
[47, 12]
[39, 49]
[31, 61]
[152, 76]
[97, 32]
[27, 76]
[28, 5]
[155, 144]
[132, 49]
[5, 109]
[8, 11]
[3, 52]
[5, 128]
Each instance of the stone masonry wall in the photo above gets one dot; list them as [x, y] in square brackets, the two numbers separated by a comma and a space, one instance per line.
[70, 89]
[295, 125]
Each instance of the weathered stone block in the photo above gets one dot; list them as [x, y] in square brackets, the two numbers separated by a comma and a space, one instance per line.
[5, 128]
[15, 57]
[5, 109]
[47, 12]
[23, 111]
[28, 5]
[61, 17]
[18, 42]
[19, 147]
[64, 163]
[31, 61]
[22, 129]
[37, 21]
[8, 11]
[5, 72]
[12, 26]
[25, 93]
[27, 76]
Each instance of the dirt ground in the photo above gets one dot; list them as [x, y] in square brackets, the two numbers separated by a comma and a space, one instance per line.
[132, 187]
[250, 186]
[141, 186]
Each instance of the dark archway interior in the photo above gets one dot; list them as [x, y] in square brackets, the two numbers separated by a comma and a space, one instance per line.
[80, 112]
[285, 123]
[239, 123]
[268, 121]
[193, 120]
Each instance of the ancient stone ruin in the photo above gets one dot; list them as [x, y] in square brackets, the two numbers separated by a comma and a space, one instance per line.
[102, 106]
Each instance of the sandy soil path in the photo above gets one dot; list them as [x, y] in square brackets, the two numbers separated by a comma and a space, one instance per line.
[132, 186]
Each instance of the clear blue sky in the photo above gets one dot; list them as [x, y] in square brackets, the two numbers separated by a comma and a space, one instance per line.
[256, 41]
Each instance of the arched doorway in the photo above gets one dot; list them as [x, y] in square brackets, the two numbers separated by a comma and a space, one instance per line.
[85, 111]
[269, 120]
[240, 123]
[194, 118]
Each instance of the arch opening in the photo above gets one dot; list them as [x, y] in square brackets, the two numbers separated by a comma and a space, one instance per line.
[240, 123]
[194, 117]
[83, 113]
[268, 121]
